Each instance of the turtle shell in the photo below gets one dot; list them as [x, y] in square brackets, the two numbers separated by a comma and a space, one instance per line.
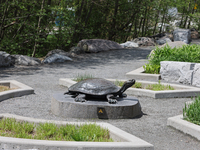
[94, 86]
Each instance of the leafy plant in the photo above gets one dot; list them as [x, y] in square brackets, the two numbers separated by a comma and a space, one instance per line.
[187, 53]
[79, 77]
[49, 131]
[191, 112]
[152, 69]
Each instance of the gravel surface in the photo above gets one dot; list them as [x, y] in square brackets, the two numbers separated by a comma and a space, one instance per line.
[151, 127]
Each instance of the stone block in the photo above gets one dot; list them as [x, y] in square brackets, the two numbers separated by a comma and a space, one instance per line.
[181, 72]
[196, 75]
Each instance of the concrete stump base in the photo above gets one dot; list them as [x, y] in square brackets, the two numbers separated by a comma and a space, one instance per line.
[65, 106]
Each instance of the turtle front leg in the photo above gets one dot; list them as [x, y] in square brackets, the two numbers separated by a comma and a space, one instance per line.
[111, 99]
[80, 98]
[123, 95]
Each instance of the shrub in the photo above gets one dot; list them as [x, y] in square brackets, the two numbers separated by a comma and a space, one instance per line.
[187, 53]
[191, 112]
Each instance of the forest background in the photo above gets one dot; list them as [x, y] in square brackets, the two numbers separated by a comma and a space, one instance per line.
[34, 27]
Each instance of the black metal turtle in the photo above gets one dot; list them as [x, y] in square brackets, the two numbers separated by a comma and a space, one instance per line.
[98, 88]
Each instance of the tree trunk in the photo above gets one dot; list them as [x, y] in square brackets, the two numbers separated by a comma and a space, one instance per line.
[38, 30]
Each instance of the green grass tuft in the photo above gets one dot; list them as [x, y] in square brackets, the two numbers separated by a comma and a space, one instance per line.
[154, 87]
[49, 131]
[159, 87]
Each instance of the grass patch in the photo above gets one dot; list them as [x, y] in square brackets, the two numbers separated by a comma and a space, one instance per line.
[49, 131]
[155, 87]
[136, 85]
[79, 77]
[4, 88]
[191, 112]
[187, 53]
[159, 87]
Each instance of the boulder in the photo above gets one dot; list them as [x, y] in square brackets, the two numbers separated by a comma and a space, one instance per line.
[144, 41]
[176, 44]
[163, 41]
[56, 56]
[6, 59]
[180, 72]
[74, 51]
[182, 35]
[97, 45]
[129, 44]
[194, 34]
[26, 60]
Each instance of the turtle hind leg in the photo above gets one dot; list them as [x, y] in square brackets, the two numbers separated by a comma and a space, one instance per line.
[111, 99]
[80, 98]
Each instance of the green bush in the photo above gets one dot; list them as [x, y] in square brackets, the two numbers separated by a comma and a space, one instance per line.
[187, 53]
[191, 112]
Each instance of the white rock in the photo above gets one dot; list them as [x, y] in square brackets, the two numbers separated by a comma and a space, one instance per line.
[129, 44]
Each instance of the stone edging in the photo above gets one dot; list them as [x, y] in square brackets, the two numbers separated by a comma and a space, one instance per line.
[139, 74]
[182, 90]
[187, 127]
[21, 89]
[125, 140]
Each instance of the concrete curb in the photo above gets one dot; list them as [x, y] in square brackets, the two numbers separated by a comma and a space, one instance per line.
[182, 90]
[139, 74]
[123, 139]
[187, 127]
[21, 89]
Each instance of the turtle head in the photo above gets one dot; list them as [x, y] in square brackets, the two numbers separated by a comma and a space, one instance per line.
[129, 83]
[125, 86]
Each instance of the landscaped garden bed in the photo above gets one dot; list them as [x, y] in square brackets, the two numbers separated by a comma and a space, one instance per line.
[120, 138]
[151, 70]
[189, 121]
[12, 88]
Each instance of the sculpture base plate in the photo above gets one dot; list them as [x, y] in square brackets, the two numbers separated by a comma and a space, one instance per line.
[65, 106]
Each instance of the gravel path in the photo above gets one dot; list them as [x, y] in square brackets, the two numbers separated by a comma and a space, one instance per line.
[151, 127]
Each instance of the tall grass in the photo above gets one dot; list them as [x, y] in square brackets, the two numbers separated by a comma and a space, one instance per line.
[49, 131]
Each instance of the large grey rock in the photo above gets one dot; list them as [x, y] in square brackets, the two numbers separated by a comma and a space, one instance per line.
[182, 35]
[144, 41]
[129, 44]
[26, 60]
[180, 72]
[56, 56]
[5, 59]
[194, 34]
[74, 51]
[97, 45]
[163, 41]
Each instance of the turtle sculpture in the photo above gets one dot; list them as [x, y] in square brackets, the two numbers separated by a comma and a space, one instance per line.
[100, 89]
